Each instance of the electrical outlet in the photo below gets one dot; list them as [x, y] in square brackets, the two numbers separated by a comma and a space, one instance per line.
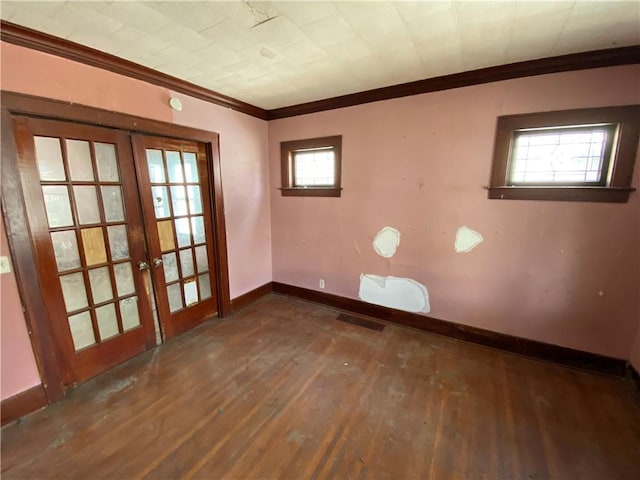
[5, 265]
[322, 283]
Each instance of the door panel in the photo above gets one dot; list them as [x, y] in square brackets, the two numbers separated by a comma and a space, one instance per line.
[84, 216]
[174, 186]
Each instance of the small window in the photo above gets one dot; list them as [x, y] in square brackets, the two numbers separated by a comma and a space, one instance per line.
[562, 156]
[312, 167]
[584, 155]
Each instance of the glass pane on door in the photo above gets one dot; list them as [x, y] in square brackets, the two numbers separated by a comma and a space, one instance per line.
[177, 202]
[82, 192]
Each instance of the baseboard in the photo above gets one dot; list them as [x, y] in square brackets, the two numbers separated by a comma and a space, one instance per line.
[633, 378]
[250, 297]
[23, 403]
[522, 346]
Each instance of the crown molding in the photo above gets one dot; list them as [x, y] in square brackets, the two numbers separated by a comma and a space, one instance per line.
[26, 37]
[575, 61]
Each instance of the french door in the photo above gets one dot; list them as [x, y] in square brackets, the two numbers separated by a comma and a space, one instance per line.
[173, 177]
[86, 227]
[110, 235]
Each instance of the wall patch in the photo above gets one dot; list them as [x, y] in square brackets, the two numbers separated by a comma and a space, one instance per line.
[393, 292]
[386, 242]
[467, 240]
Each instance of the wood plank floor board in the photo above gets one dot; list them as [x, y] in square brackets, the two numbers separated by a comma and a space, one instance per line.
[284, 390]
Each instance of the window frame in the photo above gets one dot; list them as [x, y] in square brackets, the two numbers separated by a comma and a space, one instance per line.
[622, 159]
[287, 152]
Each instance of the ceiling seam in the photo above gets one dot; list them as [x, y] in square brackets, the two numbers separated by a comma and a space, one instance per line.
[564, 24]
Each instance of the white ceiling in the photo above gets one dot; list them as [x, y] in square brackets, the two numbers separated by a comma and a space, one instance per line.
[311, 50]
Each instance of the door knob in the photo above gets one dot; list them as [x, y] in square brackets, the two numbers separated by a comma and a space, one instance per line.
[157, 262]
[143, 266]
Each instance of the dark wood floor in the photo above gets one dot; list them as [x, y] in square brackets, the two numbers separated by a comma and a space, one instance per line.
[283, 390]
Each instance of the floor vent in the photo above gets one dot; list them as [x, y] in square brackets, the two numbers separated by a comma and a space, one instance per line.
[361, 322]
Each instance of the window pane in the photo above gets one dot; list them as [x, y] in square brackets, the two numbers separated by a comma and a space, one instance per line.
[81, 330]
[174, 167]
[156, 166]
[190, 167]
[314, 167]
[562, 156]
[87, 204]
[112, 201]
[79, 156]
[205, 286]
[170, 266]
[197, 227]
[100, 280]
[183, 232]
[65, 247]
[202, 261]
[49, 158]
[175, 297]
[124, 278]
[73, 291]
[106, 160]
[161, 202]
[129, 313]
[195, 201]
[186, 262]
[107, 321]
[179, 200]
[58, 206]
[118, 242]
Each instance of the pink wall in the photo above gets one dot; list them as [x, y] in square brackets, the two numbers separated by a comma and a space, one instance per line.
[243, 153]
[565, 273]
[18, 369]
[245, 177]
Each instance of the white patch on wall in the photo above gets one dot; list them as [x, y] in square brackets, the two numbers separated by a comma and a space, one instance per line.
[467, 239]
[386, 242]
[393, 292]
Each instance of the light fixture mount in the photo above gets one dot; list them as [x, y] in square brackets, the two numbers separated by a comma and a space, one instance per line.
[175, 103]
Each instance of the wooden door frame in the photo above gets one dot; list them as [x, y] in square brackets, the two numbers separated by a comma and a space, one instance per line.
[46, 351]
